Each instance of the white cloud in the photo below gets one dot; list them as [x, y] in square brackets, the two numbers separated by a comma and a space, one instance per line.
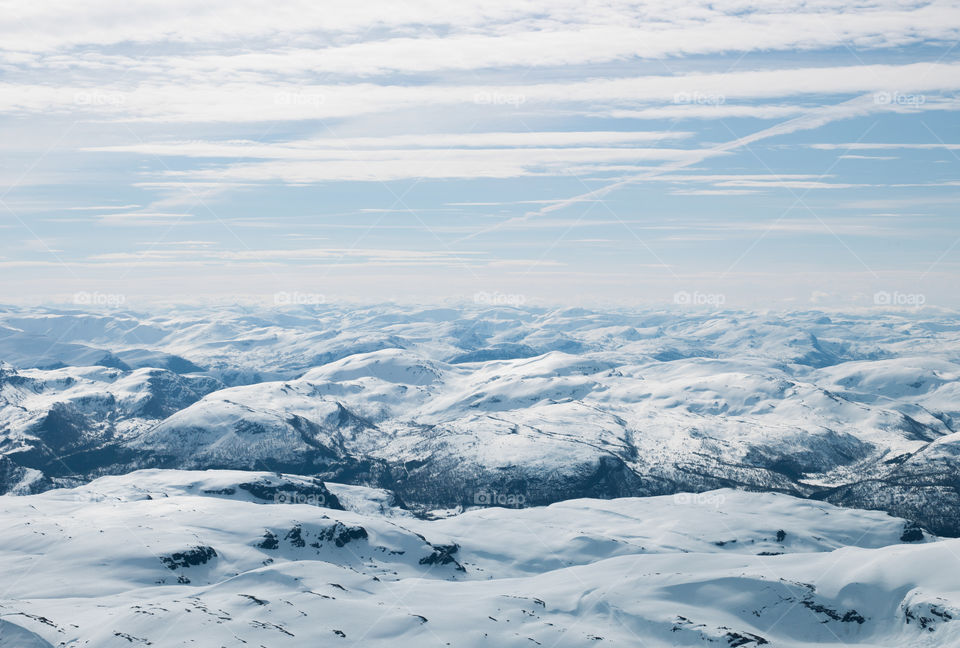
[395, 164]
[425, 35]
[101, 207]
[813, 119]
[140, 219]
[713, 192]
[562, 45]
[868, 157]
[253, 102]
[878, 146]
[314, 147]
[366, 256]
[790, 184]
[166, 103]
[707, 111]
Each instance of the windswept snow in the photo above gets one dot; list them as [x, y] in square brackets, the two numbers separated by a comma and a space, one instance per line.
[440, 404]
[478, 477]
[178, 558]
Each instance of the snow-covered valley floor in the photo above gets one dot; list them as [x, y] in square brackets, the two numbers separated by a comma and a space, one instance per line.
[235, 558]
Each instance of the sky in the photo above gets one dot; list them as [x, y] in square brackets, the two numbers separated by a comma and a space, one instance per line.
[693, 154]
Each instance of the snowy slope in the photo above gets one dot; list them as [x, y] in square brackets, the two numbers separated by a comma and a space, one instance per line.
[441, 404]
[63, 422]
[175, 558]
[551, 427]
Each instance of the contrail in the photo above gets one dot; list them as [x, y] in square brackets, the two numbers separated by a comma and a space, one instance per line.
[815, 118]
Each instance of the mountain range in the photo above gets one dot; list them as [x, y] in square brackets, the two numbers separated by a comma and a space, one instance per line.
[443, 405]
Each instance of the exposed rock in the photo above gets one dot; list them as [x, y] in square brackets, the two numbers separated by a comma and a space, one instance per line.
[190, 558]
[443, 555]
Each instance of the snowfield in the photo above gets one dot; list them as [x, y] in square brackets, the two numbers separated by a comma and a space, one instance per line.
[232, 558]
[441, 405]
[395, 476]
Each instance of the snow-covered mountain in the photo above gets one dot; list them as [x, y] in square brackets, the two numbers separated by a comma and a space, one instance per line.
[237, 558]
[447, 405]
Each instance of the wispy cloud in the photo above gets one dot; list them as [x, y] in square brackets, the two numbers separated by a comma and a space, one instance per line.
[884, 146]
[139, 218]
[599, 142]
[269, 101]
[102, 207]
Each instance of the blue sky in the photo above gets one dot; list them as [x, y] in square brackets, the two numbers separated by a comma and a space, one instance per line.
[750, 154]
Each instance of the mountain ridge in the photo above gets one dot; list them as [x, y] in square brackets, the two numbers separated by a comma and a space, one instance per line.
[854, 409]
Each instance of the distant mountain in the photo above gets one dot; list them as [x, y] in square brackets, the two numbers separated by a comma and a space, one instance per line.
[440, 405]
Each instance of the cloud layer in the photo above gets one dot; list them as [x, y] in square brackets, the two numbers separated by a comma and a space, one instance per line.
[691, 139]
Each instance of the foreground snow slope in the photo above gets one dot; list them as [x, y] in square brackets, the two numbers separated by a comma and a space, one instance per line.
[443, 404]
[231, 558]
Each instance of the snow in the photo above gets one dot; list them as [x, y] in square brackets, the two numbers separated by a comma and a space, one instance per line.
[85, 566]
[562, 402]
[662, 478]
